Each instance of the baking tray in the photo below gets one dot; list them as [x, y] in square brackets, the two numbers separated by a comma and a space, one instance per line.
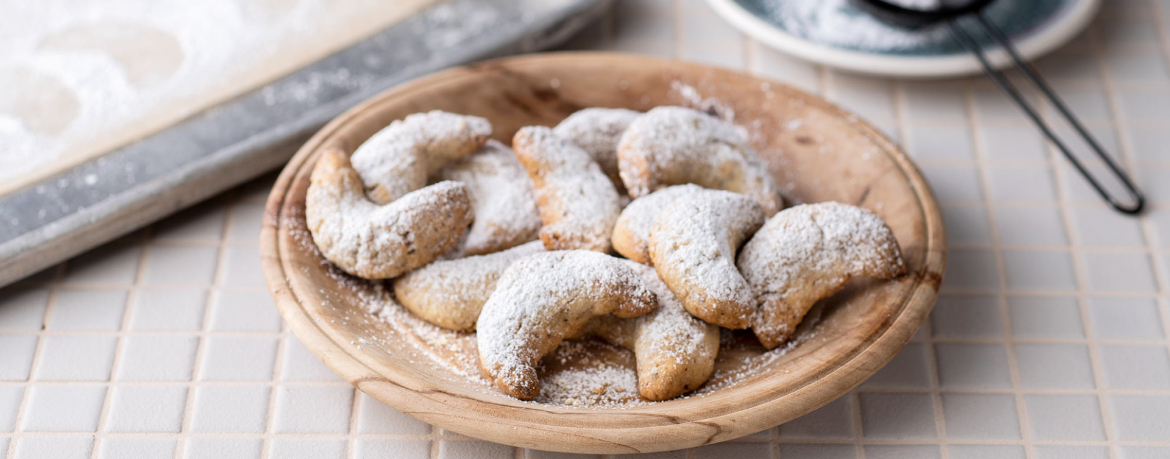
[216, 149]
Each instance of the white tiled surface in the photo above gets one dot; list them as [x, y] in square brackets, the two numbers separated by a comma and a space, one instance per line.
[1049, 340]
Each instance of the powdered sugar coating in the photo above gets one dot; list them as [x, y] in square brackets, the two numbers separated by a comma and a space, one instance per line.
[578, 204]
[631, 232]
[451, 293]
[808, 252]
[399, 158]
[677, 145]
[380, 242]
[597, 131]
[693, 245]
[545, 297]
[502, 197]
[675, 351]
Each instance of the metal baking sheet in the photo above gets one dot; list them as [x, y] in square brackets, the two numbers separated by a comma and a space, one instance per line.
[221, 147]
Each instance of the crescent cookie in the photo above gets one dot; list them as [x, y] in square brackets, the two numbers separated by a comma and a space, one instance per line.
[597, 131]
[502, 197]
[693, 244]
[676, 145]
[808, 252]
[578, 204]
[450, 293]
[631, 232]
[675, 352]
[399, 158]
[542, 299]
[380, 242]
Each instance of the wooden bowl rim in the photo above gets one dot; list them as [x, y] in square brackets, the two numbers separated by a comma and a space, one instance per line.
[483, 420]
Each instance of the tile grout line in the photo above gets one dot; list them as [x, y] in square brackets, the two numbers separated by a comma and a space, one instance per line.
[185, 428]
[1159, 264]
[1126, 156]
[354, 413]
[940, 423]
[979, 149]
[283, 337]
[435, 436]
[99, 287]
[898, 105]
[115, 334]
[1080, 265]
[25, 398]
[773, 442]
[786, 441]
[882, 389]
[855, 423]
[270, 415]
[120, 345]
[935, 390]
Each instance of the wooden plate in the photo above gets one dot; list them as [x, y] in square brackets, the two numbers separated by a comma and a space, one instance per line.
[816, 151]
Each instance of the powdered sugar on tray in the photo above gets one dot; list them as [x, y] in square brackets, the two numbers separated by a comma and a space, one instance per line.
[84, 76]
[448, 350]
[577, 375]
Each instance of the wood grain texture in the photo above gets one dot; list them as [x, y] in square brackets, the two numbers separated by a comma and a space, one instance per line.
[816, 151]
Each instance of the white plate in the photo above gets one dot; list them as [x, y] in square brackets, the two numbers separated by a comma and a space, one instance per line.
[1038, 34]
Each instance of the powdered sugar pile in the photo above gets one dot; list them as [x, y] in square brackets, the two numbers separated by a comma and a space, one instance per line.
[106, 72]
[589, 374]
[839, 23]
[448, 350]
[604, 387]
